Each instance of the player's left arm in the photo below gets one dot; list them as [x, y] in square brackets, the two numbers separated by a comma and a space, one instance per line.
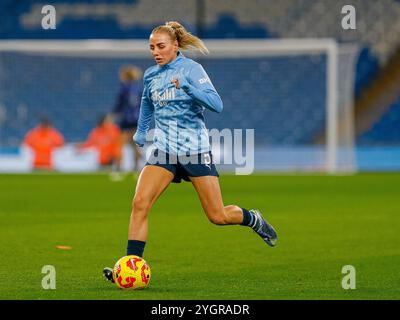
[200, 89]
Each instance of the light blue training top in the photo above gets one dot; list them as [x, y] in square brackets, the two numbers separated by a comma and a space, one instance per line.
[178, 113]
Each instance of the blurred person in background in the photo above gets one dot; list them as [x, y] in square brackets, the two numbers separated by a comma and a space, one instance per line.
[127, 105]
[43, 140]
[106, 138]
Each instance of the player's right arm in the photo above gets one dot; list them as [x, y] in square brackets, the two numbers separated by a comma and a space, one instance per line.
[145, 115]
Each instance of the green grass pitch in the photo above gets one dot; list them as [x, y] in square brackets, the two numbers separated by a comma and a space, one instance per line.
[323, 223]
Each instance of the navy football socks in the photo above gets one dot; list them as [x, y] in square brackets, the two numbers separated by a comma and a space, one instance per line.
[248, 218]
[135, 248]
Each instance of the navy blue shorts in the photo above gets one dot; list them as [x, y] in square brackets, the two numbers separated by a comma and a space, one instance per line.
[197, 165]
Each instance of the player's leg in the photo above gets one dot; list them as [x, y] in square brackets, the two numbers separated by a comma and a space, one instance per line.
[137, 155]
[209, 192]
[127, 137]
[153, 180]
[137, 152]
[116, 155]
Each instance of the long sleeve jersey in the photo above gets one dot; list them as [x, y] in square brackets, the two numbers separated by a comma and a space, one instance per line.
[178, 113]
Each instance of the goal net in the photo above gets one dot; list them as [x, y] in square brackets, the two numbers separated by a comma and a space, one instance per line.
[297, 94]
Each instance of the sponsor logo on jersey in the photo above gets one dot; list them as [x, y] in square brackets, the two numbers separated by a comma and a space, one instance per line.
[162, 99]
[204, 80]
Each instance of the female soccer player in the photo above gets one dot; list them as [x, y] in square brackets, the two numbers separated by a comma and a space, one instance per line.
[127, 107]
[177, 90]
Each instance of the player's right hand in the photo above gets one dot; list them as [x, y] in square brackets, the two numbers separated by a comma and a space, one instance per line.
[139, 139]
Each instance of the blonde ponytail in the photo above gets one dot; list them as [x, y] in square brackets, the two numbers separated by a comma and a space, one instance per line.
[185, 39]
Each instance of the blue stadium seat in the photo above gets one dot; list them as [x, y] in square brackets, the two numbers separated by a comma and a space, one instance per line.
[386, 130]
[367, 68]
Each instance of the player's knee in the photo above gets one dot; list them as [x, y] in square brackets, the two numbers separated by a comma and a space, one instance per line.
[140, 205]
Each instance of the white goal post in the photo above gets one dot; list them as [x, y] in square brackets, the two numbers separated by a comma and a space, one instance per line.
[339, 66]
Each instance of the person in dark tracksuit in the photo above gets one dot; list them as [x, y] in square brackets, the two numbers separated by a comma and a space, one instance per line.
[127, 107]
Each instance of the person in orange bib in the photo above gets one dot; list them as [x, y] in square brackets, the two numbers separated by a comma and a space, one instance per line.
[43, 139]
[106, 138]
